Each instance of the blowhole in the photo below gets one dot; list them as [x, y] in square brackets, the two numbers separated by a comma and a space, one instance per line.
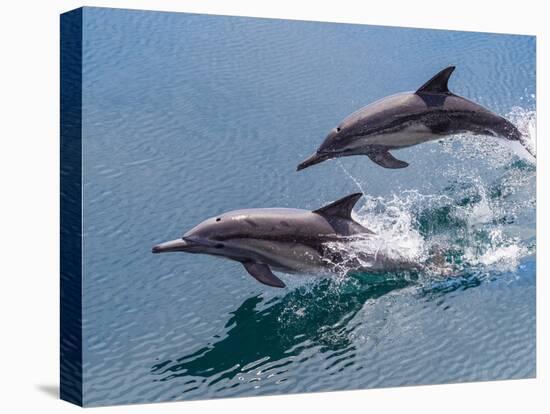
[218, 219]
[219, 246]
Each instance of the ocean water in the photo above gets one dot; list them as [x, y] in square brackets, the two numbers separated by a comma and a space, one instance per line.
[187, 116]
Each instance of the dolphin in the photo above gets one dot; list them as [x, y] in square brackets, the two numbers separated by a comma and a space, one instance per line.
[283, 239]
[410, 118]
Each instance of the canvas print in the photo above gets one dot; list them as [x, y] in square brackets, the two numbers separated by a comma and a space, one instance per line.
[258, 206]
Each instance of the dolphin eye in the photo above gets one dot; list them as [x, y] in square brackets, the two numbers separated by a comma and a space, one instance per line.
[219, 246]
[218, 219]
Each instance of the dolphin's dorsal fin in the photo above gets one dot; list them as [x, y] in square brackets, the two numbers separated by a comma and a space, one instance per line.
[438, 84]
[340, 208]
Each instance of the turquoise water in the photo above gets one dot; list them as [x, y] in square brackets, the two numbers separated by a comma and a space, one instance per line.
[187, 116]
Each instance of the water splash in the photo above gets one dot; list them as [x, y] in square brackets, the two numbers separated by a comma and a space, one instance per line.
[526, 121]
[497, 151]
[474, 225]
[396, 243]
[463, 235]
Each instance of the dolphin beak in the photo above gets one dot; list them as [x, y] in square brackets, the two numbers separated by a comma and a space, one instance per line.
[179, 245]
[313, 159]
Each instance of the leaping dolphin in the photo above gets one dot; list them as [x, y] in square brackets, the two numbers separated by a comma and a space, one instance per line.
[407, 119]
[283, 239]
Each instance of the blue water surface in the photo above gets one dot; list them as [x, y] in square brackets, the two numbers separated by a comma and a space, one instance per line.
[187, 116]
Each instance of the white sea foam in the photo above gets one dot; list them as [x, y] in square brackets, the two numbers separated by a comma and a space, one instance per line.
[467, 228]
[526, 121]
[497, 151]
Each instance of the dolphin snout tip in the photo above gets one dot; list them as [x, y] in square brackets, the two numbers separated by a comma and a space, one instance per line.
[169, 246]
[313, 159]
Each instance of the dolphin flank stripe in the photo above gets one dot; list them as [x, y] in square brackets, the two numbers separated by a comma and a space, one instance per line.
[285, 238]
[407, 120]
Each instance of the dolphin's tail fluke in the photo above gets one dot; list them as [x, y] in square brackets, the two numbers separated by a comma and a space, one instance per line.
[528, 148]
[510, 132]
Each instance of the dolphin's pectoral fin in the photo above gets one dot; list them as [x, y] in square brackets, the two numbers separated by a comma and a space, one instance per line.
[263, 274]
[386, 160]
